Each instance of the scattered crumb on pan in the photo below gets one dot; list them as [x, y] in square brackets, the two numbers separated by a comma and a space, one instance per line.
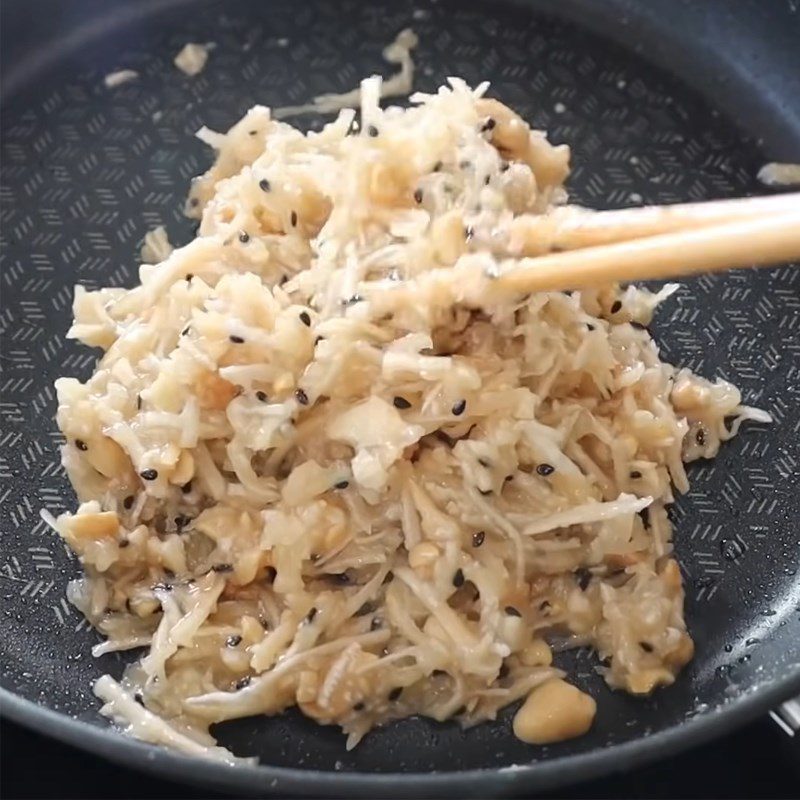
[776, 174]
[192, 58]
[119, 77]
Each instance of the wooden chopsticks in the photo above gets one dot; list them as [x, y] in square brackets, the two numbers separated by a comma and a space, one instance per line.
[656, 242]
[571, 227]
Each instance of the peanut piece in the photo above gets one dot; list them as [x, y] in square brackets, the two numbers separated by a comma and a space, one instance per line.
[554, 711]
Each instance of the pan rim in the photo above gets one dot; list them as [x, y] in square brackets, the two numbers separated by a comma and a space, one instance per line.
[115, 746]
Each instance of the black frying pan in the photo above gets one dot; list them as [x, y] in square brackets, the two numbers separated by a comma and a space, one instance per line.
[87, 171]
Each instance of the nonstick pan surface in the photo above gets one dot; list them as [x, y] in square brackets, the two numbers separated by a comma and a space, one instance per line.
[86, 171]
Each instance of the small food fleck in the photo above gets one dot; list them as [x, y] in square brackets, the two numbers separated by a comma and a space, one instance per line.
[192, 58]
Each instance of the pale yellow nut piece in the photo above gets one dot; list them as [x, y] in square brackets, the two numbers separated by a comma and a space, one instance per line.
[214, 392]
[184, 469]
[283, 383]
[388, 185]
[448, 237]
[687, 395]
[252, 630]
[682, 653]
[91, 527]
[554, 711]
[143, 605]
[671, 576]
[423, 556]
[107, 457]
[537, 654]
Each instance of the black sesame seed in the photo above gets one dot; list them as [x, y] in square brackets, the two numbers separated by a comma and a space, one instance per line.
[236, 339]
[181, 521]
[189, 277]
[244, 237]
[401, 402]
[301, 397]
[138, 402]
[138, 698]
[700, 436]
[233, 641]
[252, 133]
[616, 306]
[311, 615]
[437, 166]
[262, 396]
[366, 608]
[243, 683]
[418, 196]
[318, 340]
[645, 516]
[122, 544]
[489, 124]
[395, 693]
[356, 298]
[484, 463]
[469, 233]
[646, 646]
[341, 484]
[358, 706]
[589, 326]
[149, 474]
[81, 445]
[458, 578]
[184, 332]
[512, 612]
[459, 407]
[264, 185]
[187, 487]
[372, 131]
[478, 538]
[583, 577]
[504, 166]
[487, 180]
[545, 469]
[222, 568]
[305, 318]
[635, 474]
[293, 219]
[194, 202]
